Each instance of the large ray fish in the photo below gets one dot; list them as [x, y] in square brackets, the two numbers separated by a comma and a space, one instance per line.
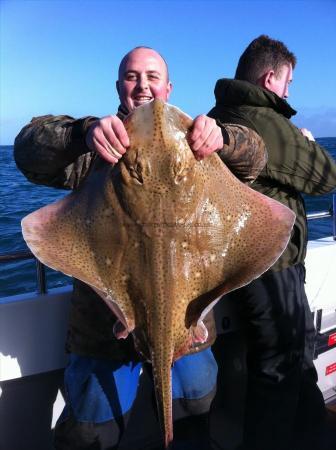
[161, 236]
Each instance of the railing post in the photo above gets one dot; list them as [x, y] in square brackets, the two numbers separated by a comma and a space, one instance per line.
[41, 278]
[334, 216]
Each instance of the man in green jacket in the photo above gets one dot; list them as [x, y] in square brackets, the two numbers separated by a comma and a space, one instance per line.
[102, 377]
[283, 399]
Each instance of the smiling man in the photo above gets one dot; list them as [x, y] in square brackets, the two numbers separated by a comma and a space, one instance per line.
[103, 373]
[143, 76]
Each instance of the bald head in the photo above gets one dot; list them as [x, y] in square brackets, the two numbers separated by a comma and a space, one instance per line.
[143, 76]
[135, 49]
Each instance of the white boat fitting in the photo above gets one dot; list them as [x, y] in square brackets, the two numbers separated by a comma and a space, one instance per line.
[320, 288]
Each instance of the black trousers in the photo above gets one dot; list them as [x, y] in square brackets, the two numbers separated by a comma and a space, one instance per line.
[283, 401]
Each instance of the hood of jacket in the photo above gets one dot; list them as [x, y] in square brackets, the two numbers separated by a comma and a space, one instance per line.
[230, 92]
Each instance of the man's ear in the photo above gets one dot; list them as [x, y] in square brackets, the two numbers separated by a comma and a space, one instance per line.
[117, 87]
[268, 79]
[169, 89]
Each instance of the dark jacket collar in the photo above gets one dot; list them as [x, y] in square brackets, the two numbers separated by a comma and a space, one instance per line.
[229, 92]
[122, 112]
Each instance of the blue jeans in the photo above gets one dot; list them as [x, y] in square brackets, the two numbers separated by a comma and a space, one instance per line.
[100, 395]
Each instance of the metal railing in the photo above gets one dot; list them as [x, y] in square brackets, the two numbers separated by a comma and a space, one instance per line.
[323, 214]
[40, 268]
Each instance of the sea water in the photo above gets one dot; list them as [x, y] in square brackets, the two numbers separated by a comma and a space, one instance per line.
[19, 197]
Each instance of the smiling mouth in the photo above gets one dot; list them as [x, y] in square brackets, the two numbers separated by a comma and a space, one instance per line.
[140, 99]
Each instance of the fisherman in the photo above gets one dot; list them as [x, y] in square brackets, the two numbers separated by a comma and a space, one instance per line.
[283, 399]
[101, 380]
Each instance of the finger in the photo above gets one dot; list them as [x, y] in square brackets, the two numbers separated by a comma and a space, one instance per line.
[210, 144]
[197, 129]
[213, 143]
[216, 144]
[105, 146]
[200, 141]
[105, 154]
[115, 149]
[122, 135]
[114, 132]
[112, 142]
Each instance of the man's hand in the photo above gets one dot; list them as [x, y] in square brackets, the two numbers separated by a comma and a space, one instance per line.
[108, 137]
[307, 133]
[205, 137]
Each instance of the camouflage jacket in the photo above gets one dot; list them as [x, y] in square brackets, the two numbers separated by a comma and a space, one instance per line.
[295, 165]
[51, 150]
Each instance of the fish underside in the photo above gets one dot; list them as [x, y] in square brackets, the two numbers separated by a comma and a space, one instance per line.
[161, 237]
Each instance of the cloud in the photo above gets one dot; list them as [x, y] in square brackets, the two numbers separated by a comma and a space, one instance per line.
[320, 121]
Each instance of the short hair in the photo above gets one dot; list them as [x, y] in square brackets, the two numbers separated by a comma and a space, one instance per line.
[122, 62]
[260, 56]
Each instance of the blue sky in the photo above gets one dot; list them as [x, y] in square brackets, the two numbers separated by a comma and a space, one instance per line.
[62, 56]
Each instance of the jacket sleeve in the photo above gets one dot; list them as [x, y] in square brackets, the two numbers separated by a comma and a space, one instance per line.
[301, 164]
[244, 151]
[51, 150]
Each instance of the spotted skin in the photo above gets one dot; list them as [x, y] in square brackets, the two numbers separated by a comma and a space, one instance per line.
[161, 236]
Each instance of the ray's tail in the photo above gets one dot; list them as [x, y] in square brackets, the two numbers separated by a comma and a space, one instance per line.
[162, 355]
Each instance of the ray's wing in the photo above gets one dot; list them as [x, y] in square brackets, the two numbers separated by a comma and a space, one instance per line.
[242, 234]
[84, 235]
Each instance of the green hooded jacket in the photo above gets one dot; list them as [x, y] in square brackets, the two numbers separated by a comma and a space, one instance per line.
[295, 165]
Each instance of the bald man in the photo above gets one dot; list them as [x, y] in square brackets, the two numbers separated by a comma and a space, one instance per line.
[103, 374]
[143, 76]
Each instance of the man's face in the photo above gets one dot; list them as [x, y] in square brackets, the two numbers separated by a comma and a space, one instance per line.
[279, 84]
[142, 77]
